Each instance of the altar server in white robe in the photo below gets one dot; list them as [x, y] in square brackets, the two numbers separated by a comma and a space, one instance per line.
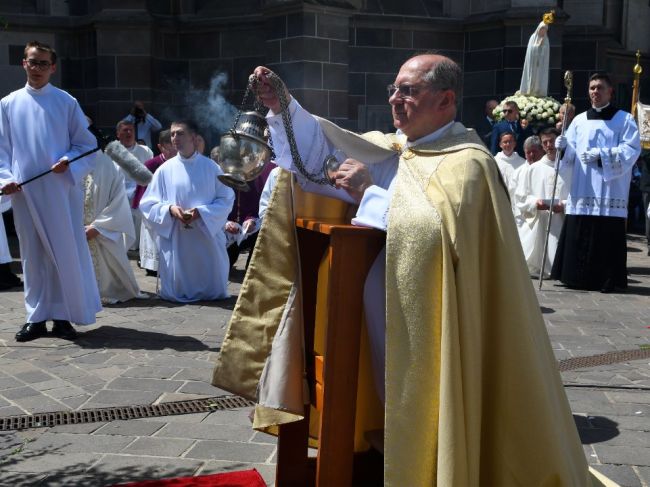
[532, 198]
[508, 160]
[602, 144]
[186, 206]
[41, 127]
[109, 230]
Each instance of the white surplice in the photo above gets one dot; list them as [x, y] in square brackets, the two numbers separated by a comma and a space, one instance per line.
[107, 210]
[601, 190]
[507, 167]
[193, 261]
[37, 128]
[534, 184]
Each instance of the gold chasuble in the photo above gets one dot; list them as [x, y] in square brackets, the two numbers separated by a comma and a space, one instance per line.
[473, 393]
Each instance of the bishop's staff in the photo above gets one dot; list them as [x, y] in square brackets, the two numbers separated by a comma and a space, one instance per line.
[568, 83]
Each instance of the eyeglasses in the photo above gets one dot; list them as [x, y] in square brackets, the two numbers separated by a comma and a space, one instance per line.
[507, 110]
[405, 91]
[40, 65]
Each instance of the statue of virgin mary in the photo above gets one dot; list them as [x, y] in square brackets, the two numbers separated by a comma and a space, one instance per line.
[534, 79]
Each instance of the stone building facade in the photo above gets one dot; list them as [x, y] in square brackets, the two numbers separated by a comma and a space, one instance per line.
[191, 57]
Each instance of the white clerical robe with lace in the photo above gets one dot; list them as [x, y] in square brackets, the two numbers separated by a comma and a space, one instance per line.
[193, 259]
[536, 183]
[106, 208]
[37, 128]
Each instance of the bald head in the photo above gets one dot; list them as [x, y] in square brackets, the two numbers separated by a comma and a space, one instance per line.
[423, 98]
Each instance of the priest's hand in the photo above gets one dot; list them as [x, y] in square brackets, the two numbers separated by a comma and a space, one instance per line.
[11, 188]
[248, 225]
[589, 156]
[541, 205]
[266, 92]
[91, 232]
[60, 166]
[354, 177]
[560, 142]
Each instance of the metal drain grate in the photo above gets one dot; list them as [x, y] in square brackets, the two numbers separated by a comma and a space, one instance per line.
[603, 359]
[44, 420]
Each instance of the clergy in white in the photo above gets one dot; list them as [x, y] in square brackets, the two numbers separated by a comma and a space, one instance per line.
[533, 198]
[186, 206]
[109, 230]
[508, 160]
[602, 144]
[41, 125]
[125, 133]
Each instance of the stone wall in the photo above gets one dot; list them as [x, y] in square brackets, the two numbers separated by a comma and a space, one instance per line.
[183, 58]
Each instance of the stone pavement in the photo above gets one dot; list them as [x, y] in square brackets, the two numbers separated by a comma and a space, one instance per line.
[150, 351]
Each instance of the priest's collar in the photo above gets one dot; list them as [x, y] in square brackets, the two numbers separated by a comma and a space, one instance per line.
[37, 91]
[187, 159]
[603, 113]
[432, 137]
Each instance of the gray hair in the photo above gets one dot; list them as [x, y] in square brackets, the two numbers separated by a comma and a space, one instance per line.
[533, 140]
[445, 75]
[123, 122]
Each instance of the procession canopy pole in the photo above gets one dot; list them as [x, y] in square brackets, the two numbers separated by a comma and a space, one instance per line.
[568, 83]
[635, 85]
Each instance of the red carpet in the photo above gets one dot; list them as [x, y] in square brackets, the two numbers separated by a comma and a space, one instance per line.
[245, 478]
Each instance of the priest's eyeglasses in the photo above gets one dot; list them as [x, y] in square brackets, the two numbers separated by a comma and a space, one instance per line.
[404, 91]
[40, 65]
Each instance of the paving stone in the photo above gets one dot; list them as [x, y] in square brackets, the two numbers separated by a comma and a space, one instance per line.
[159, 447]
[80, 443]
[206, 431]
[261, 437]
[76, 402]
[80, 429]
[54, 461]
[121, 467]
[19, 392]
[231, 451]
[233, 416]
[39, 404]
[9, 383]
[181, 418]
[11, 411]
[152, 372]
[623, 455]
[33, 377]
[202, 388]
[132, 427]
[121, 398]
[145, 385]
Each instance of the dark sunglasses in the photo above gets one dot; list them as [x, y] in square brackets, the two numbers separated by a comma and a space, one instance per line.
[507, 110]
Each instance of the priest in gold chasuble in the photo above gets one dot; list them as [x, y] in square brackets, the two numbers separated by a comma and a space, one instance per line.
[472, 394]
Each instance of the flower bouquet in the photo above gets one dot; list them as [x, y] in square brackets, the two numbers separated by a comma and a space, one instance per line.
[539, 111]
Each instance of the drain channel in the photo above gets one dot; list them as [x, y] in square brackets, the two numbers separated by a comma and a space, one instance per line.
[44, 420]
[608, 358]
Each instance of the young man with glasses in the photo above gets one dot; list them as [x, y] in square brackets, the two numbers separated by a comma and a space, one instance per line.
[449, 306]
[43, 127]
[510, 123]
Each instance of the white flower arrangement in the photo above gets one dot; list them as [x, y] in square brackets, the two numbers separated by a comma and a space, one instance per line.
[537, 110]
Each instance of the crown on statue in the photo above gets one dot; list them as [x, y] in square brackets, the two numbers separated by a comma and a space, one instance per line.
[549, 17]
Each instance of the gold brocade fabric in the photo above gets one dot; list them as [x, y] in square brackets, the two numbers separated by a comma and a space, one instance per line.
[473, 395]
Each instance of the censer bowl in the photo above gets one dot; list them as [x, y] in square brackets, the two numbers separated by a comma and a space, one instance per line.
[242, 158]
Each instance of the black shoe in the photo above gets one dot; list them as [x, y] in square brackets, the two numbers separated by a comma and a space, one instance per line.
[151, 273]
[63, 329]
[608, 286]
[31, 331]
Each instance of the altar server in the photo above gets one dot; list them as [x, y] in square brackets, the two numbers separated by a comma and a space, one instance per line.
[532, 199]
[41, 127]
[187, 207]
[508, 160]
[602, 144]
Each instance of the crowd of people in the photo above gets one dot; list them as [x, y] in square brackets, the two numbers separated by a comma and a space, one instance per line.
[457, 208]
[76, 226]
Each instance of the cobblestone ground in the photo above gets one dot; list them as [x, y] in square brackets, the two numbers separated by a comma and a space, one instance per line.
[150, 351]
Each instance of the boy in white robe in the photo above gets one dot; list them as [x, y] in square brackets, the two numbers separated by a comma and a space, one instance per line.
[508, 160]
[109, 230]
[41, 128]
[532, 198]
[187, 207]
